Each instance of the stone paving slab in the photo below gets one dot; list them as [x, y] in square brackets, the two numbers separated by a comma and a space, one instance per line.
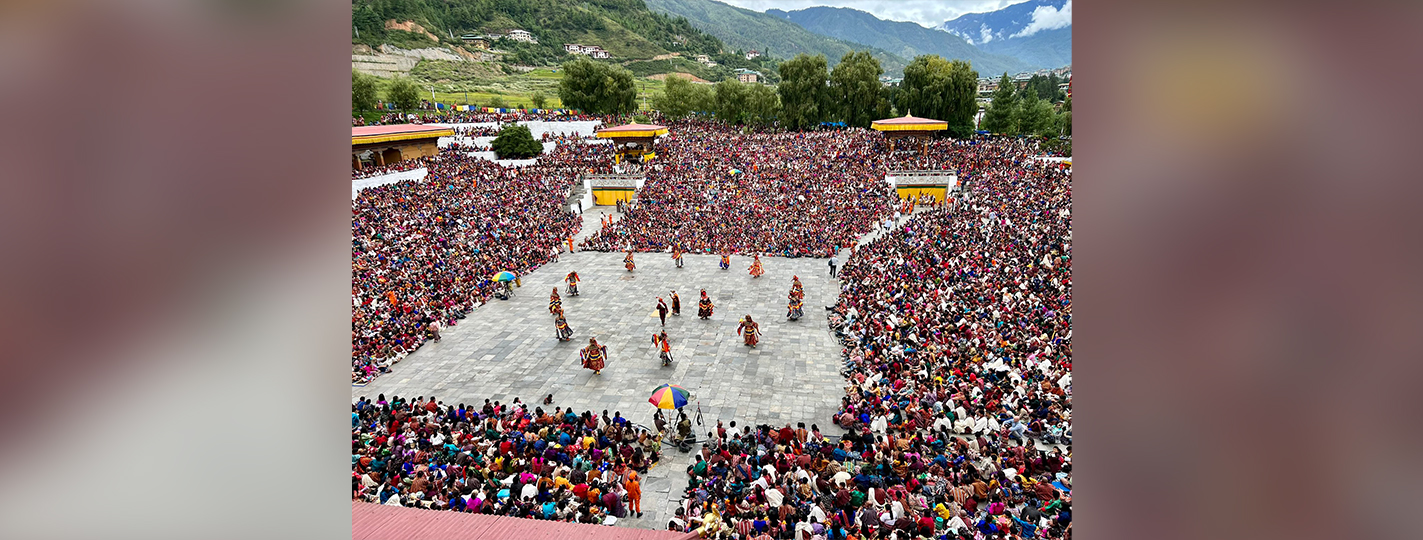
[507, 349]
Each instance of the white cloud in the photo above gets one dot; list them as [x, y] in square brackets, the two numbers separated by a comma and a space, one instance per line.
[1048, 18]
[986, 35]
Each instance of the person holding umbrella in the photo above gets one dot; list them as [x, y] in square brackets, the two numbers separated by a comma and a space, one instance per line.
[594, 356]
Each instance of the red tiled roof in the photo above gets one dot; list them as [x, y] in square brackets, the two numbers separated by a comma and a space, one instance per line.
[381, 522]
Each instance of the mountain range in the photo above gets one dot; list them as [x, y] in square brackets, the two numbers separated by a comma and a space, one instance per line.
[905, 39]
[743, 29]
[1038, 32]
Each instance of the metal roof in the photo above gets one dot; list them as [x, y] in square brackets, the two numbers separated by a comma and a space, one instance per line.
[397, 132]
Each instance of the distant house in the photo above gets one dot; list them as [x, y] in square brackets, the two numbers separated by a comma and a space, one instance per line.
[987, 86]
[522, 35]
[703, 58]
[753, 53]
[476, 40]
[586, 50]
[1021, 79]
[748, 76]
[891, 81]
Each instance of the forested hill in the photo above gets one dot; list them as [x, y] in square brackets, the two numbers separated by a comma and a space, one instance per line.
[625, 28]
[905, 39]
[744, 29]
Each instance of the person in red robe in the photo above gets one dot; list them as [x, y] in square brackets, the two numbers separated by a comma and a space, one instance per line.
[594, 356]
[704, 306]
[749, 330]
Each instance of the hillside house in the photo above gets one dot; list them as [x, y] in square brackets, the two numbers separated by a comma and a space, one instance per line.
[594, 51]
[748, 76]
[522, 35]
[753, 53]
[987, 86]
[476, 40]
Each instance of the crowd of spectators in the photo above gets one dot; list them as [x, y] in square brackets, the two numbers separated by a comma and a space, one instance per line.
[957, 336]
[547, 462]
[715, 189]
[399, 166]
[956, 328]
[424, 251]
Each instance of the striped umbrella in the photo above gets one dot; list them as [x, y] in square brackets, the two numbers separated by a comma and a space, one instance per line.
[504, 276]
[669, 396]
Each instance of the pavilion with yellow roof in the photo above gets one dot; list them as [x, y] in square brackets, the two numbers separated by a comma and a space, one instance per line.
[633, 140]
[908, 127]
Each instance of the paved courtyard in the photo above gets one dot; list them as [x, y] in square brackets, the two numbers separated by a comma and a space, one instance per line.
[506, 349]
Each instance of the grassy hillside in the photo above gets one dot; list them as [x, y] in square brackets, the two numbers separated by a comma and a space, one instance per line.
[745, 30]
[625, 28]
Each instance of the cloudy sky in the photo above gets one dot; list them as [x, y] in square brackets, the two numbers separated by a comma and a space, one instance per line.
[925, 12]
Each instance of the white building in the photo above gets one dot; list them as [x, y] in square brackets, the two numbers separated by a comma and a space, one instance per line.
[522, 35]
[753, 53]
[586, 50]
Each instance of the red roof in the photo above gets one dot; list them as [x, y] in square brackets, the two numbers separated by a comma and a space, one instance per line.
[366, 131]
[381, 522]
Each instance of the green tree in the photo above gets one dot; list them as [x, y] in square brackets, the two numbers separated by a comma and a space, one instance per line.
[539, 99]
[1002, 113]
[730, 101]
[403, 93]
[942, 90]
[363, 91]
[1035, 116]
[597, 88]
[497, 102]
[1044, 87]
[804, 97]
[738, 103]
[682, 97]
[856, 91]
[763, 106]
[516, 142]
